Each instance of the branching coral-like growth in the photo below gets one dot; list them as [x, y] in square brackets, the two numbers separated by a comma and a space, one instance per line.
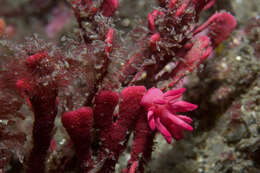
[41, 96]
[117, 73]
[112, 135]
[174, 34]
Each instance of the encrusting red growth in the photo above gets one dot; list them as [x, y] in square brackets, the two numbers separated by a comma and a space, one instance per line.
[114, 143]
[113, 136]
[41, 97]
[160, 110]
[78, 124]
[105, 103]
[141, 149]
[162, 113]
[45, 111]
[109, 7]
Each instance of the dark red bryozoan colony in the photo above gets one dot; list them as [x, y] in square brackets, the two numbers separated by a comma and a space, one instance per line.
[107, 87]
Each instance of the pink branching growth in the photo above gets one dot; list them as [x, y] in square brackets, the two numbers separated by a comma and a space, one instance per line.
[200, 50]
[218, 27]
[111, 76]
[112, 136]
[109, 40]
[116, 139]
[141, 149]
[151, 19]
[170, 33]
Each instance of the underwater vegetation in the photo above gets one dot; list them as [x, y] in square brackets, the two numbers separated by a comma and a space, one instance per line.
[98, 94]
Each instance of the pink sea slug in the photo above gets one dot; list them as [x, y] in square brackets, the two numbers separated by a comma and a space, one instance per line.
[163, 111]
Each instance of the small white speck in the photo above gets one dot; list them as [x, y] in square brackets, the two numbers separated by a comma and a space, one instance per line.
[238, 58]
